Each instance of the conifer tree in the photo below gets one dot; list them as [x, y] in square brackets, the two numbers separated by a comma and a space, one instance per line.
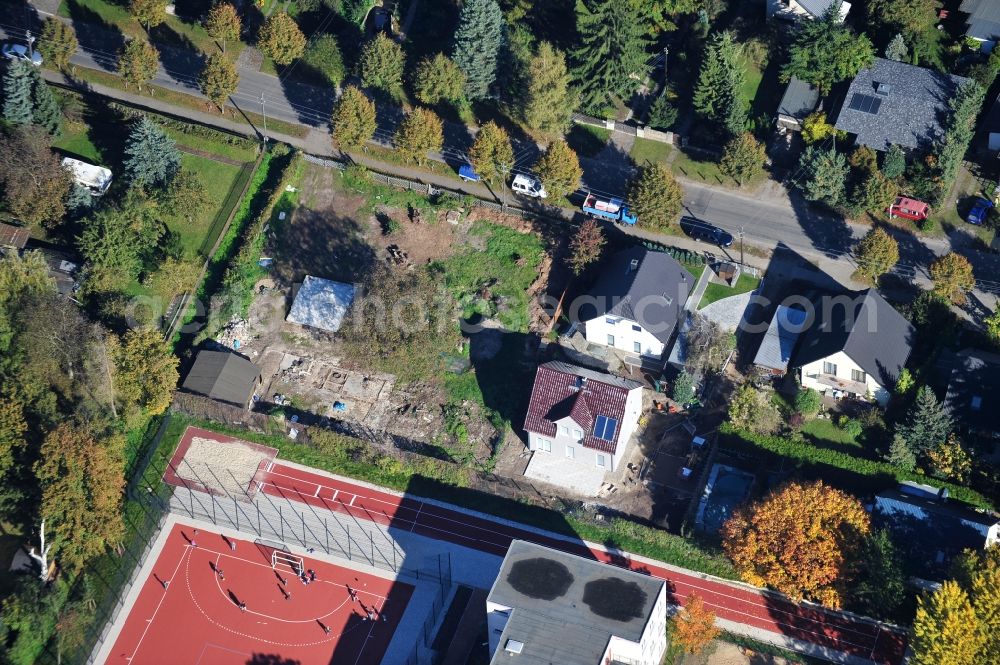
[151, 158]
[717, 93]
[46, 113]
[824, 172]
[612, 49]
[439, 79]
[893, 162]
[654, 196]
[896, 50]
[549, 100]
[945, 630]
[477, 45]
[17, 89]
[927, 423]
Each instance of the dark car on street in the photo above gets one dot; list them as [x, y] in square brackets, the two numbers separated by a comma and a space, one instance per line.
[706, 232]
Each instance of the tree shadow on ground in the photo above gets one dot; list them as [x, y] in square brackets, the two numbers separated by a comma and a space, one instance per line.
[98, 39]
[179, 56]
[313, 104]
[324, 244]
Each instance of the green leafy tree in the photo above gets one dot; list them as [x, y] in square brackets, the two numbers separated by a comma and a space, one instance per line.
[953, 278]
[17, 87]
[586, 247]
[477, 45]
[549, 100]
[905, 382]
[808, 401]
[893, 162]
[223, 23]
[185, 195]
[144, 371]
[439, 79]
[492, 155]
[138, 62]
[219, 79]
[323, 55]
[896, 50]
[743, 159]
[826, 51]
[876, 254]
[659, 15]
[82, 482]
[149, 13]
[353, 119]
[58, 42]
[900, 454]
[34, 182]
[381, 64]
[356, 11]
[945, 630]
[559, 169]
[683, 388]
[654, 196]
[927, 423]
[992, 323]
[419, 133]
[281, 39]
[913, 17]
[46, 112]
[717, 93]
[881, 585]
[117, 240]
[611, 51]
[875, 194]
[751, 410]
[662, 114]
[151, 157]
[815, 128]
[824, 172]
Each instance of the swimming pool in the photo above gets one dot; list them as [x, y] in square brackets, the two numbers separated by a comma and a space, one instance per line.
[727, 487]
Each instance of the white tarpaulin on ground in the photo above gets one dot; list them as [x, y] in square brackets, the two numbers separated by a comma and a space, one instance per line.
[321, 303]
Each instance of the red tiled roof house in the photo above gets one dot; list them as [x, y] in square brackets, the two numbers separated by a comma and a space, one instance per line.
[579, 424]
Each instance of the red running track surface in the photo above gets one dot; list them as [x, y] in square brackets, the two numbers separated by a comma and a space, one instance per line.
[729, 601]
[197, 620]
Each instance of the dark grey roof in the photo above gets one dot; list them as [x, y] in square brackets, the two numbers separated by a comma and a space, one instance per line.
[910, 114]
[974, 391]
[984, 19]
[818, 7]
[652, 293]
[928, 530]
[226, 377]
[862, 325]
[565, 608]
[783, 332]
[800, 99]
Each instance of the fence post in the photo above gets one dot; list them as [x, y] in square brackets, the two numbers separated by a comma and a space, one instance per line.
[259, 532]
[236, 508]
[371, 539]
[326, 536]
[281, 521]
[302, 516]
[347, 530]
[214, 520]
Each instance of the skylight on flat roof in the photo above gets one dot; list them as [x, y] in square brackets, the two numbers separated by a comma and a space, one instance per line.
[513, 646]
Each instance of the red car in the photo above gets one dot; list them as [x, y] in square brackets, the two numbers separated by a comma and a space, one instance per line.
[909, 209]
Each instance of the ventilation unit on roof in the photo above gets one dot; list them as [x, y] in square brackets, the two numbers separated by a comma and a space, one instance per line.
[883, 89]
[514, 647]
[633, 265]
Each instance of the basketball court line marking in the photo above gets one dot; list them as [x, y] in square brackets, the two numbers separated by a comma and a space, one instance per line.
[149, 621]
[206, 646]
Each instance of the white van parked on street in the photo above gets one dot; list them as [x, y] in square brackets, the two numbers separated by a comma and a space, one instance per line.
[528, 186]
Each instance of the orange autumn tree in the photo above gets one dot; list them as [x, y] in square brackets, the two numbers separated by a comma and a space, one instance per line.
[802, 539]
[693, 627]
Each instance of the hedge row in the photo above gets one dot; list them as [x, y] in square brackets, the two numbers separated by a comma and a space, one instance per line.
[856, 474]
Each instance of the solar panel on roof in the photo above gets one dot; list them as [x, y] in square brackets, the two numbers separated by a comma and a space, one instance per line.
[865, 103]
[605, 428]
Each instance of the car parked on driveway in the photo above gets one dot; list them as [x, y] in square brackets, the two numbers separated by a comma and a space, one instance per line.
[21, 52]
[703, 231]
[980, 209]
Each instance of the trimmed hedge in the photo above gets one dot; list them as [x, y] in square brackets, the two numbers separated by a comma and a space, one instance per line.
[855, 474]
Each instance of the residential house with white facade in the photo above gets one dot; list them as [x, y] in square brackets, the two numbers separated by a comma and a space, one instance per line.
[637, 302]
[551, 607]
[579, 424]
[794, 10]
[855, 345]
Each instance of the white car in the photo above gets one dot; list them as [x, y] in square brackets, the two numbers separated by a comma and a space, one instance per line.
[20, 52]
[528, 186]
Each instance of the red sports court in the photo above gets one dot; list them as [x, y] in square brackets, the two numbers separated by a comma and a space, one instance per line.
[344, 616]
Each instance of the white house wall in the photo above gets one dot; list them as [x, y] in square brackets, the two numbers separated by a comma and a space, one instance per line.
[844, 365]
[651, 646]
[496, 619]
[581, 455]
[598, 329]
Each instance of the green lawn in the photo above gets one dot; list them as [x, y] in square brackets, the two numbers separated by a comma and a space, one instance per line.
[646, 151]
[586, 140]
[748, 91]
[713, 291]
[823, 429]
[75, 140]
[222, 148]
[219, 179]
[172, 31]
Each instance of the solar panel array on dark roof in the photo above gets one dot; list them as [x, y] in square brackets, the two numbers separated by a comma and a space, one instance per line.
[865, 103]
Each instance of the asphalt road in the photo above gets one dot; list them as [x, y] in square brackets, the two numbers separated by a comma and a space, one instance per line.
[769, 217]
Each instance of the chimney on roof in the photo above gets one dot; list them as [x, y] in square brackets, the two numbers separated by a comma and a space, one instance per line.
[882, 89]
[632, 266]
[579, 383]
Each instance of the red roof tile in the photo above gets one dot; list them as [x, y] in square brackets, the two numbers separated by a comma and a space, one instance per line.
[562, 390]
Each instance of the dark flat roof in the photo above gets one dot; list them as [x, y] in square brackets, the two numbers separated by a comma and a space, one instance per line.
[800, 99]
[566, 608]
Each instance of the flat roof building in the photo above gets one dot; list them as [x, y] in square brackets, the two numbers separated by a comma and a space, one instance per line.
[550, 607]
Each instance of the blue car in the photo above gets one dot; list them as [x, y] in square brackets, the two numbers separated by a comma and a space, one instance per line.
[466, 173]
[979, 211]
